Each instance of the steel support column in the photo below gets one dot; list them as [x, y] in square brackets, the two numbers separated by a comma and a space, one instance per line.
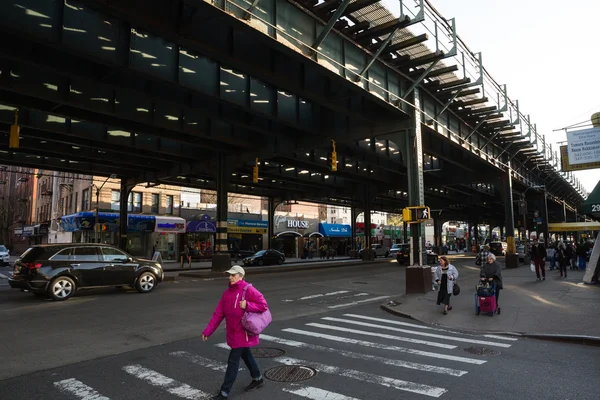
[544, 215]
[353, 214]
[512, 259]
[126, 188]
[367, 255]
[271, 206]
[221, 260]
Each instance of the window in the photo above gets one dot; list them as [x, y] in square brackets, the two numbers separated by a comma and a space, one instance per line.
[85, 254]
[169, 206]
[134, 202]
[111, 254]
[85, 199]
[76, 201]
[155, 203]
[63, 255]
[115, 199]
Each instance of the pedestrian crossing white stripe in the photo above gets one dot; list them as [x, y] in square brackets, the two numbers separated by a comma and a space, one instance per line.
[398, 384]
[313, 393]
[365, 343]
[383, 335]
[79, 389]
[350, 354]
[432, 335]
[3, 276]
[205, 362]
[501, 337]
[389, 321]
[164, 382]
[359, 301]
[314, 296]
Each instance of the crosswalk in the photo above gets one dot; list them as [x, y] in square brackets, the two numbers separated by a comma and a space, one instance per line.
[337, 299]
[383, 354]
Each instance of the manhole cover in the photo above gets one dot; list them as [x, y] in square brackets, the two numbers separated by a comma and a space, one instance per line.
[290, 373]
[267, 352]
[361, 283]
[482, 351]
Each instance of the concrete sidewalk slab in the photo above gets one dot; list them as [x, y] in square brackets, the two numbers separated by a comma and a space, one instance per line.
[556, 306]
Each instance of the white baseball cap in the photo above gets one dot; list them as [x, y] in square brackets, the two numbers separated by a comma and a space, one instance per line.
[236, 269]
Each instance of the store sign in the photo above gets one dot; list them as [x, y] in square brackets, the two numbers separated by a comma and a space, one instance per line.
[584, 146]
[170, 225]
[294, 223]
[19, 231]
[244, 229]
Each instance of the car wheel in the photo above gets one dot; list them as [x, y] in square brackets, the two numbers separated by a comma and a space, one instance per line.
[61, 288]
[146, 282]
[280, 261]
[260, 262]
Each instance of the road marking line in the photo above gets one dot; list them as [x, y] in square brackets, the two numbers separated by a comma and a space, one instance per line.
[380, 346]
[432, 335]
[383, 335]
[3, 276]
[359, 301]
[205, 362]
[314, 296]
[501, 337]
[172, 386]
[79, 389]
[313, 393]
[389, 321]
[359, 356]
[398, 384]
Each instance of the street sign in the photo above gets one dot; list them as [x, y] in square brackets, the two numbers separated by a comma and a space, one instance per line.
[416, 214]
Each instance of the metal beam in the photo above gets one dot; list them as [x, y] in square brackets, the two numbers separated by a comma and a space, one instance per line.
[338, 13]
[454, 96]
[248, 13]
[417, 81]
[377, 54]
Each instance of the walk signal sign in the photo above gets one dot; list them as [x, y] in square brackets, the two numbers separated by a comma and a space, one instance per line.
[416, 214]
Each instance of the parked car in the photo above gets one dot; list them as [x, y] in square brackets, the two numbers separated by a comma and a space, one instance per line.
[498, 248]
[4, 256]
[404, 255]
[395, 249]
[59, 270]
[521, 252]
[378, 250]
[265, 257]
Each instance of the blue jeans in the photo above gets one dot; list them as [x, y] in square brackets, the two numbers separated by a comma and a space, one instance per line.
[233, 365]
[582, 262]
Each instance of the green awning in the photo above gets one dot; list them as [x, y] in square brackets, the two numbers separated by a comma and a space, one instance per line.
[591, 206]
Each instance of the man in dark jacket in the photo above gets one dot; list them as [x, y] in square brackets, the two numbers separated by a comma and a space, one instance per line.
[538, 257]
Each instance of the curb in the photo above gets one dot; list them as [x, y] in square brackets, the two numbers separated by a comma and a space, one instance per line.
[273, 270]
[575, 339]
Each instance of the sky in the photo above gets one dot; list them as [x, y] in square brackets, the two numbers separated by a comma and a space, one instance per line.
[547, 52]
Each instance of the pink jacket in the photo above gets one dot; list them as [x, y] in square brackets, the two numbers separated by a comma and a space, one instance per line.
[229, 308]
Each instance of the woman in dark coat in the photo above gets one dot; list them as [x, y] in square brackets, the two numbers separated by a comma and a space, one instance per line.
[492, 271]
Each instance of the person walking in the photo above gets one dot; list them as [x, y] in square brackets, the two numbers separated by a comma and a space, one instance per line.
[551, 255]
[482, 256]
[231, 307]
[561, 256]
[538, 257]
[445, 276]
[491, 271]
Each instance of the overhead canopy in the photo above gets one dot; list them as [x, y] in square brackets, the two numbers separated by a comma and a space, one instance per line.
[574, 226]
[591, 206]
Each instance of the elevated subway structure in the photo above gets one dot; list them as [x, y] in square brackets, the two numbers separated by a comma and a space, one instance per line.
[190, 93]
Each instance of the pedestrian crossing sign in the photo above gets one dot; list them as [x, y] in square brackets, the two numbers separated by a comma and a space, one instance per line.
[416, 214]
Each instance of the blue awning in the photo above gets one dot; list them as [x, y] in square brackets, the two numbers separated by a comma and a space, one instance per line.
[85, 221]
[335, 230]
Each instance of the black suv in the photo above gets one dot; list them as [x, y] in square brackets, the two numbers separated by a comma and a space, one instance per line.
[403, 255]
[58, 270]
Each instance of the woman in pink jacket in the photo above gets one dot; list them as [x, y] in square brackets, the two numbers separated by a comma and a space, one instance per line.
[232, 308]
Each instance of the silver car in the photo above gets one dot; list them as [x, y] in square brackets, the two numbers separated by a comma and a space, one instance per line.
[4, 255]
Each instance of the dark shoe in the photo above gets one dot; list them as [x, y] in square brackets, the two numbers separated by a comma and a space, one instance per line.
[544, 278]
[450, 308]
[445, 312]
[218, 397]
[255, 385]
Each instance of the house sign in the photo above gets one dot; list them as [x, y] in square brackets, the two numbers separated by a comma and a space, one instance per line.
[293, 223]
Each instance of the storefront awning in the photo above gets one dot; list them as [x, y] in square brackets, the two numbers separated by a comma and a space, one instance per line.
[169, 224]
[335, 230]
[289, 233]
[201, 226]
[85, 221]
[591, 206]
[313, 234]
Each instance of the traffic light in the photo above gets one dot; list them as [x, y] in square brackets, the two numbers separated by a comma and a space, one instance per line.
[332, 157]
[255, 172]
[416, 214]
[13, 139]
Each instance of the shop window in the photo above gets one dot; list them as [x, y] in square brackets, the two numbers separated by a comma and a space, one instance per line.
[134, 202]
[169, 205]
[155, 203]
[115, 199]
[85, 199]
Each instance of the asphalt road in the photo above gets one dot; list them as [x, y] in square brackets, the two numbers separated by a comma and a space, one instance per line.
[117, 344]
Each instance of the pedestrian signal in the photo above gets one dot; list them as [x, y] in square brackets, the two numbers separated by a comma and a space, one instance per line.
[416, 214]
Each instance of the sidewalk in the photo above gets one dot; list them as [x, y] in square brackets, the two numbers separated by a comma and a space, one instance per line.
[556, 306]
[173, 265]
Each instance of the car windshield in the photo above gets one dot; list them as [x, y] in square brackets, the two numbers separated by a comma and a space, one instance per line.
[396, 246]
[2, 248]
[260, 253]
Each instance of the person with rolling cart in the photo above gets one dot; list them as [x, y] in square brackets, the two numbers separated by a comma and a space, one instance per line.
[488, 291]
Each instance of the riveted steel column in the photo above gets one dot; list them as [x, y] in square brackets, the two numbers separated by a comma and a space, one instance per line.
[126, 188]
[271, 218]
[353, 214]
[544, 215]
[367, 255]
[512, 259]
[221, 260]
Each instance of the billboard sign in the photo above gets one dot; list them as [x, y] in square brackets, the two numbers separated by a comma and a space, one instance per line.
[567, 166]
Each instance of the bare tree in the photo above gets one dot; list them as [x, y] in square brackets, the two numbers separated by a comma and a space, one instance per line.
[7, 211]
[395, 219]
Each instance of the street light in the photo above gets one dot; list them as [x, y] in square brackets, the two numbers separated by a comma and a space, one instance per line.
[112, 176]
